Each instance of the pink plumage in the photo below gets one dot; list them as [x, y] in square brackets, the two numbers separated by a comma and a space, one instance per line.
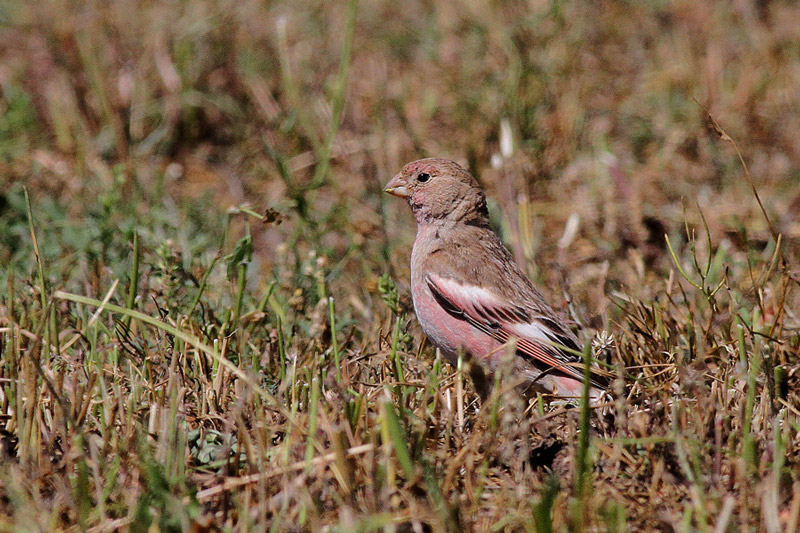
[468, 292]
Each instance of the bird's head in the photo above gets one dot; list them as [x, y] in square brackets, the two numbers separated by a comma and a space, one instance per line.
[439, 190]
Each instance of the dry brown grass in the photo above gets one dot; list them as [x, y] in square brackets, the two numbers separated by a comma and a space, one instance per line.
[271, 376]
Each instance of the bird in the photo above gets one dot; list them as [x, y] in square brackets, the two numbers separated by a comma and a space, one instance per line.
[470, 296]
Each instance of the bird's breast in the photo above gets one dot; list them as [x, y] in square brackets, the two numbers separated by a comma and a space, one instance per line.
[445, 331]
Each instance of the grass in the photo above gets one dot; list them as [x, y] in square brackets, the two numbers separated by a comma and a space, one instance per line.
[205, 321]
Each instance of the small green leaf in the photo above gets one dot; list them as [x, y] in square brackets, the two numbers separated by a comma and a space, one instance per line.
[388, 290]
[242, 254]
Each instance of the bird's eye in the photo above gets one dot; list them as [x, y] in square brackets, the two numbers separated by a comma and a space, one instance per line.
[422, 177]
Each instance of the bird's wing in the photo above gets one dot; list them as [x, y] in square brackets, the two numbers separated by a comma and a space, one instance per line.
[535, 335]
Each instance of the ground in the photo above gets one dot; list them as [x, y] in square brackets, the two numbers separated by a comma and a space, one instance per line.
[204, 315]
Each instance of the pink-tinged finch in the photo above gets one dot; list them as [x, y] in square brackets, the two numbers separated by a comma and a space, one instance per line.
[470, 296]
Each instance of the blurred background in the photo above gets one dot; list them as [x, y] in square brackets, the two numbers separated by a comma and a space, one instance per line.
[165, 114]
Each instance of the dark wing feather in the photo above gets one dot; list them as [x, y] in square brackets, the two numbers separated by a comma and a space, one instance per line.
[497, 320]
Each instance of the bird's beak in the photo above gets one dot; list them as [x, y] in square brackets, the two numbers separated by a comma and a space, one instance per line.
[396, 187]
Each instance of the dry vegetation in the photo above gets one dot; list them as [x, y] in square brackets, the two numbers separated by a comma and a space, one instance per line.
[168, 361]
